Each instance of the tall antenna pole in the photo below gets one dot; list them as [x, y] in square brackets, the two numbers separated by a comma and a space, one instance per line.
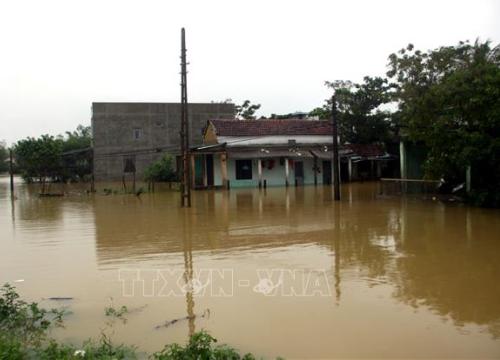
[336, 172]
[186, 178]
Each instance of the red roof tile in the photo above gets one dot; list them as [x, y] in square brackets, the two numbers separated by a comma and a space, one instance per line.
[265, 127]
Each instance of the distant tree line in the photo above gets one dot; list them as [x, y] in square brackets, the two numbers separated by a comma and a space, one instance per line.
[43, 159]
[65, 158]
[4, 158]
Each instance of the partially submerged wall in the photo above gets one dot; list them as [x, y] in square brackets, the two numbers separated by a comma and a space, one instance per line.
[143, 132]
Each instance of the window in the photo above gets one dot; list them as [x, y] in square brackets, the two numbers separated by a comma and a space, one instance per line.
[129, 164]
[243, 169]
[137, 133]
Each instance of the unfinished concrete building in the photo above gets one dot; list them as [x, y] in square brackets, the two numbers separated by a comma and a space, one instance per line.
[127, 137]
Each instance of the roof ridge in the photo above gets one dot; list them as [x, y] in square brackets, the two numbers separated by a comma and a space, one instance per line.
[271, 127]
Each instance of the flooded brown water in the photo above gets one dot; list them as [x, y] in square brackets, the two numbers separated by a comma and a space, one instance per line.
[278, 272]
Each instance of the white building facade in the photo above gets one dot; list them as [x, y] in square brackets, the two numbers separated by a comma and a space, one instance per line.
[269, 152]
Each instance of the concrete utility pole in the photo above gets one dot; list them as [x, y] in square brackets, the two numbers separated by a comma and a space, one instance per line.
[335, 160]
[185, 183]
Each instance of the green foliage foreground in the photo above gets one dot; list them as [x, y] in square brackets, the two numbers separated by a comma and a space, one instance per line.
[25, 327]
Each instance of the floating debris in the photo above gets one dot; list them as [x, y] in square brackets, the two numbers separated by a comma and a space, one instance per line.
[50, 195]
[137, 309]
[206, 314]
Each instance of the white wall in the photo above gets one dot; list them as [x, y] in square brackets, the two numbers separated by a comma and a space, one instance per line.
[274, 176]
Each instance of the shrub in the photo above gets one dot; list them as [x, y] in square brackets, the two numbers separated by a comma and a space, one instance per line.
[24, 335]
[161, 170]
[200, 346]
[26, 322]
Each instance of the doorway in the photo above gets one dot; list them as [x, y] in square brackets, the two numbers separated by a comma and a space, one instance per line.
[209, 166]
[327, 172]
[299, 173]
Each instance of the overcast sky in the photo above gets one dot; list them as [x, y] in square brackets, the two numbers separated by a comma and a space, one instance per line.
[57, 57]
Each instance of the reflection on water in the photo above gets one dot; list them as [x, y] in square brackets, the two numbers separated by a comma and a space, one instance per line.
[405, 276]
[188, 272]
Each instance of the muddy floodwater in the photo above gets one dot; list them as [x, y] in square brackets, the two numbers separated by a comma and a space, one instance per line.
[277, 272]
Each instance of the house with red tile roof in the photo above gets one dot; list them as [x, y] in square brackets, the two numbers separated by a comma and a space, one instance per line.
[277, 152]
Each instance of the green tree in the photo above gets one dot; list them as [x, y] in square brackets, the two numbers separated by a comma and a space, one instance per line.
[449, 100]
[4, 158]
[246, 110]
[77, 156]
[161, 170]
[323, 113]
[79, 139]
[360, 117]
[39, 158]
[43, 158]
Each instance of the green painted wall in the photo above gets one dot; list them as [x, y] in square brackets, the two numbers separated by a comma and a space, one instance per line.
[415, 155]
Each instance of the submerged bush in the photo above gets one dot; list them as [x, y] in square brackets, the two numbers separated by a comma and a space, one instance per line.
[161, 170]
[25, 322]
[24, 329]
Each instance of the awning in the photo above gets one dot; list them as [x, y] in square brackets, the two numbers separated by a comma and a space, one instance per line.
[328, 155]
[269, 153]
[209, 148]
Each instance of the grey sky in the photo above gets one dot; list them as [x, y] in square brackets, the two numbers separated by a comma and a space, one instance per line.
[59, 56]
